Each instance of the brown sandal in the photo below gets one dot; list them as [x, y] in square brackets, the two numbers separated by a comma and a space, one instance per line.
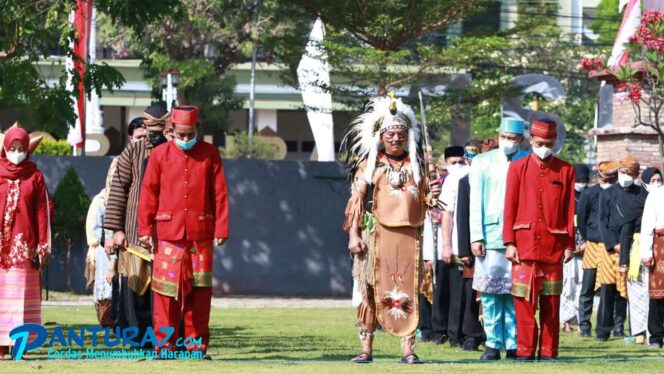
[362, 358]
[410, 358]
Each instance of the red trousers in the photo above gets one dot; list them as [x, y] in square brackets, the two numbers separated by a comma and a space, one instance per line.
[528, 334]
[193, 307]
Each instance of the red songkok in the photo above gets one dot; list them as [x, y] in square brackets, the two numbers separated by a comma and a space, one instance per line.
[185, 115]
[543, 130]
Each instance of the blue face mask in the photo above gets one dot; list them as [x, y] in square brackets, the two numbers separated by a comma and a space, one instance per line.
[185, 146]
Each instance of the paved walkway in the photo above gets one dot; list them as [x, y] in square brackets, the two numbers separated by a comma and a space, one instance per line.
[237, 302]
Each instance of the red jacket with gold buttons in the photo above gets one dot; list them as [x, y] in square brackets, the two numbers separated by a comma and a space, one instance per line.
[539, 208]
[184, 194]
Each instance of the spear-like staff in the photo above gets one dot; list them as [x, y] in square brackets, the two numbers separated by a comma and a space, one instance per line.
[432, 174]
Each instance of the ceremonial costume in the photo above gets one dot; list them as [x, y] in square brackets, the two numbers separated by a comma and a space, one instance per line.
[134, 299]
[435, 315]
[613, 285]
[539, 221]
[629, 203]
[184, 202]
[652, 248]
[25, 213]
[450, 284]
[573, 270]
[589, 228]
[492, 272]
[388, 272]
[472, 330]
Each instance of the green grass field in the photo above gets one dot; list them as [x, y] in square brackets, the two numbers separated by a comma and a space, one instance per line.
[322, 341]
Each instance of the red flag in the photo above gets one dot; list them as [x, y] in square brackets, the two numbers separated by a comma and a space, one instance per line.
[81, 21]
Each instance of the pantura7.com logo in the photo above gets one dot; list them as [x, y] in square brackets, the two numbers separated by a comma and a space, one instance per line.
[71, 343]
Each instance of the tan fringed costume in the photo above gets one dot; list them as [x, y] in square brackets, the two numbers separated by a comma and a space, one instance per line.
[388, 204]
[388, 274]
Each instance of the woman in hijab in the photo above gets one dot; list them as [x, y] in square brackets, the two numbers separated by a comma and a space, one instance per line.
[630, 202]
[24, 236]
[651, 179]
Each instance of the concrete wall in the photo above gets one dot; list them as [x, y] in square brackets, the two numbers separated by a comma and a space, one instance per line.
[285, 227]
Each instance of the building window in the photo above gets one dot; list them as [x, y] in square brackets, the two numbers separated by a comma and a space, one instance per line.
[291, 145]
[308, 146]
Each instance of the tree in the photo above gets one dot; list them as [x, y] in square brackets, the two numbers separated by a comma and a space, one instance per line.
[607, 21]
[33, 30]
[641, 79]
[535, 45]
[382, 45]
[71, 207]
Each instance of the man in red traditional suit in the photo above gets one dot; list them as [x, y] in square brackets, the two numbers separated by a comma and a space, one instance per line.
[538, 233]
[184, 203]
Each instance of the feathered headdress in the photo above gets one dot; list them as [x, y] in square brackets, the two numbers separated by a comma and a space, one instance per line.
[362, 138]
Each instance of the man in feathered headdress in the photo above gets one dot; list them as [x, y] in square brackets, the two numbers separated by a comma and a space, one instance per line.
[383, 217]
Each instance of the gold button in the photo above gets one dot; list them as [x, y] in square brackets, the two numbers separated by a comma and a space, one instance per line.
[538, 236]
[186, 182]
[541, 174]
[186, 196]
[540, 219]
[541, 190]
[186, 209]
[541, 206]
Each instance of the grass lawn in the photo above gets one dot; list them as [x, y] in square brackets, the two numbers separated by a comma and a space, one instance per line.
[322, 340]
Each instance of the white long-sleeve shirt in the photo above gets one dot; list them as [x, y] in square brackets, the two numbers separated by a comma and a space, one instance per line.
[653, 219]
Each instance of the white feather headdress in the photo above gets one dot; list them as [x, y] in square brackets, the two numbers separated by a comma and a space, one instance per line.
[362, 138]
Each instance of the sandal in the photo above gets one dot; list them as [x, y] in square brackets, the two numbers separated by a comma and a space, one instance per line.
[410, 358]
[362, 358]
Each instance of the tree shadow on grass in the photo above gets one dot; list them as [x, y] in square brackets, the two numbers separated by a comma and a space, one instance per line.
[232, 342]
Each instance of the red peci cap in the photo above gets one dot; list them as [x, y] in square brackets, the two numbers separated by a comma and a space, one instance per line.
[543, 130]
[185, 115]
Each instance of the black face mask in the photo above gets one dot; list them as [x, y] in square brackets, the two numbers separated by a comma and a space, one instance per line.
[156, 138]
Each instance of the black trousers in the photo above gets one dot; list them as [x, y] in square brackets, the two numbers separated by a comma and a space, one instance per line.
[434, 317]
[612, 311]
[472, 328]
[457, 301]
[586, 299]
[656, 321]
[134, 310]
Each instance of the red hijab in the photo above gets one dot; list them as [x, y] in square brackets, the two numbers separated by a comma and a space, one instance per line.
[25, 168]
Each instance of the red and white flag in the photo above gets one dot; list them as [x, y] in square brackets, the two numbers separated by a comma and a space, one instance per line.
[81, 21]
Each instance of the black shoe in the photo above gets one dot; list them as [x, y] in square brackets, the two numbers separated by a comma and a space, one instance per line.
[469, 345]
[425, 338]
[619, 333]
[438, 340]
[525, 358]
[584, 334]
[550, 359]
[510, 354]
[455, 343]
[602, 338]
[490, 354]
[207, 357]
[655, 345]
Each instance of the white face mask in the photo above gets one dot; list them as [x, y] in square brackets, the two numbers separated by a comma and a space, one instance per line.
[508, 146]
[625, 180]
[456, 168]
[15, 157]
[542, 152]
[580, 186]
[652, 186]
